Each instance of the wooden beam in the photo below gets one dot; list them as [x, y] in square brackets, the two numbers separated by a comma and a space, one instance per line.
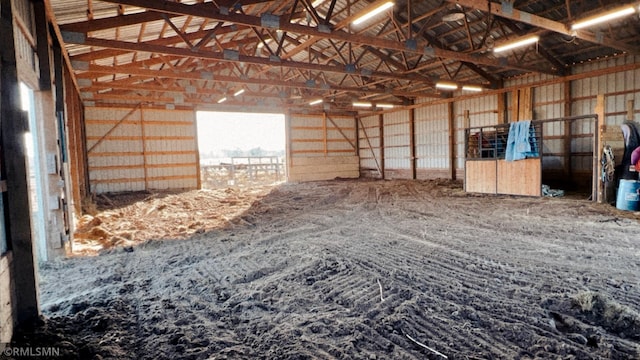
[114, 22]
[567, 130]
[412, 142]
[212, 13]
[597, 193]
[231, 56]
[630, 110]
[544, 23]
[100, 139]
[204, 75]
[13, 166]
[381, 132]
[42, 44]
[452, 139]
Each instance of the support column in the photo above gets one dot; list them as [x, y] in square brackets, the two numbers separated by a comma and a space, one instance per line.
[412, 142]
[13, 125]
[381, 132]
[452, 139]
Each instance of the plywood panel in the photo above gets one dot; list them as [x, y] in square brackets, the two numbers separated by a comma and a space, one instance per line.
[522, 177]
[480, 176]
[324, 168]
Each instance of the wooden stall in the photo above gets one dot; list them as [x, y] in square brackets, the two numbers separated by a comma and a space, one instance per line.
[554, 157]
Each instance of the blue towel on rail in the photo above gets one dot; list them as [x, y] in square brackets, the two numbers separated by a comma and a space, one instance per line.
[521, 142]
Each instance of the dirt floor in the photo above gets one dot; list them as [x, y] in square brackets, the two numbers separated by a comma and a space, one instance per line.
[359, 270]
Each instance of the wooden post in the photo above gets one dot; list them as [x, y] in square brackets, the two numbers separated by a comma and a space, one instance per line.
[630, 107]
[598, 185]
[412, 142]
[289, 158]
[381, 132]
[42, 48]
[144, 148]
[16, 199]
[324, 131]
[567, 130]
[198, 171]
[515, 106]
[502, 108]
[452, 140]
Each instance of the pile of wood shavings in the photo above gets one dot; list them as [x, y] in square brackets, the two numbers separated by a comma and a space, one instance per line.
[131, 218]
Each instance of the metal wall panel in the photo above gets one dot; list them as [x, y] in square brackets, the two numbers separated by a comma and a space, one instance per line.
[168, 149]
[432, 137]
[396, 140]
[369, 142]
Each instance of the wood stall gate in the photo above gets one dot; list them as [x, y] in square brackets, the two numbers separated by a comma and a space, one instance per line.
[566, 156]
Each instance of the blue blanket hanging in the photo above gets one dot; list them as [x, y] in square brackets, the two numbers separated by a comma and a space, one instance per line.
[521, 142]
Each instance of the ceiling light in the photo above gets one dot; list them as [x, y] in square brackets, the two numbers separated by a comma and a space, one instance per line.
[517, 43]
[375, 11]
[446, 85]
[474, 88]
[222, 100]
[603, 17]
[385, 106]
[362, 104]
[239, 92]
[316, 102]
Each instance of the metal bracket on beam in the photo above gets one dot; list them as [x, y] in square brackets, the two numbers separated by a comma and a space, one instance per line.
[224, 10]
[85, 83]
[270, 21]
[429, 51]
[80, 65]
[507, 7]
[73, 37]
[205, 75]
[311, 83]
[231, 55]
[324, 28]
[190, 89]
[274, 58]
[350, 68]
[411, 44]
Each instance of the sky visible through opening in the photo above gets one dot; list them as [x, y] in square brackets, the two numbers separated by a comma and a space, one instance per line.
[226, 134]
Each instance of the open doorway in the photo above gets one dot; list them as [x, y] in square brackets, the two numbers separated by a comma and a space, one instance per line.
[241, 149]
[35, 178]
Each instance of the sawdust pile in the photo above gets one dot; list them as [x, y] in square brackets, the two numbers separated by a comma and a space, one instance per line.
[124, 220]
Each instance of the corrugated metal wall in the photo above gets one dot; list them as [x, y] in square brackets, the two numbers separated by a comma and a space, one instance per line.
[432, 141]
[548, 101]
[397, 153]
[322, 147]
[369, 144]
[141, 149]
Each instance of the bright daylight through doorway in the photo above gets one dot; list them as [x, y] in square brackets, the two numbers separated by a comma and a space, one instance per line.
[241, 149]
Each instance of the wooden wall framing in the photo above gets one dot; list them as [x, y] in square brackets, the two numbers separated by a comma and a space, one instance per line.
[321, 147]
[141, 148]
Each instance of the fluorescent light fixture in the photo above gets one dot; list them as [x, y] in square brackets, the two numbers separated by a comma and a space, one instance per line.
[385, 106]
[603, 17]
[222, 100]
[474, 88]
[239, 92]
[375, 11]
[362, 104]
[446, 85]
[517, 43]
[316, 102]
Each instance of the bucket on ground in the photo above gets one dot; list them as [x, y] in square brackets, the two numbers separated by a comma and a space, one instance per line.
[628, 197]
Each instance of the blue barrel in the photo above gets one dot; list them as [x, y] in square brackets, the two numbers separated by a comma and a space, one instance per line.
[628, 197]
